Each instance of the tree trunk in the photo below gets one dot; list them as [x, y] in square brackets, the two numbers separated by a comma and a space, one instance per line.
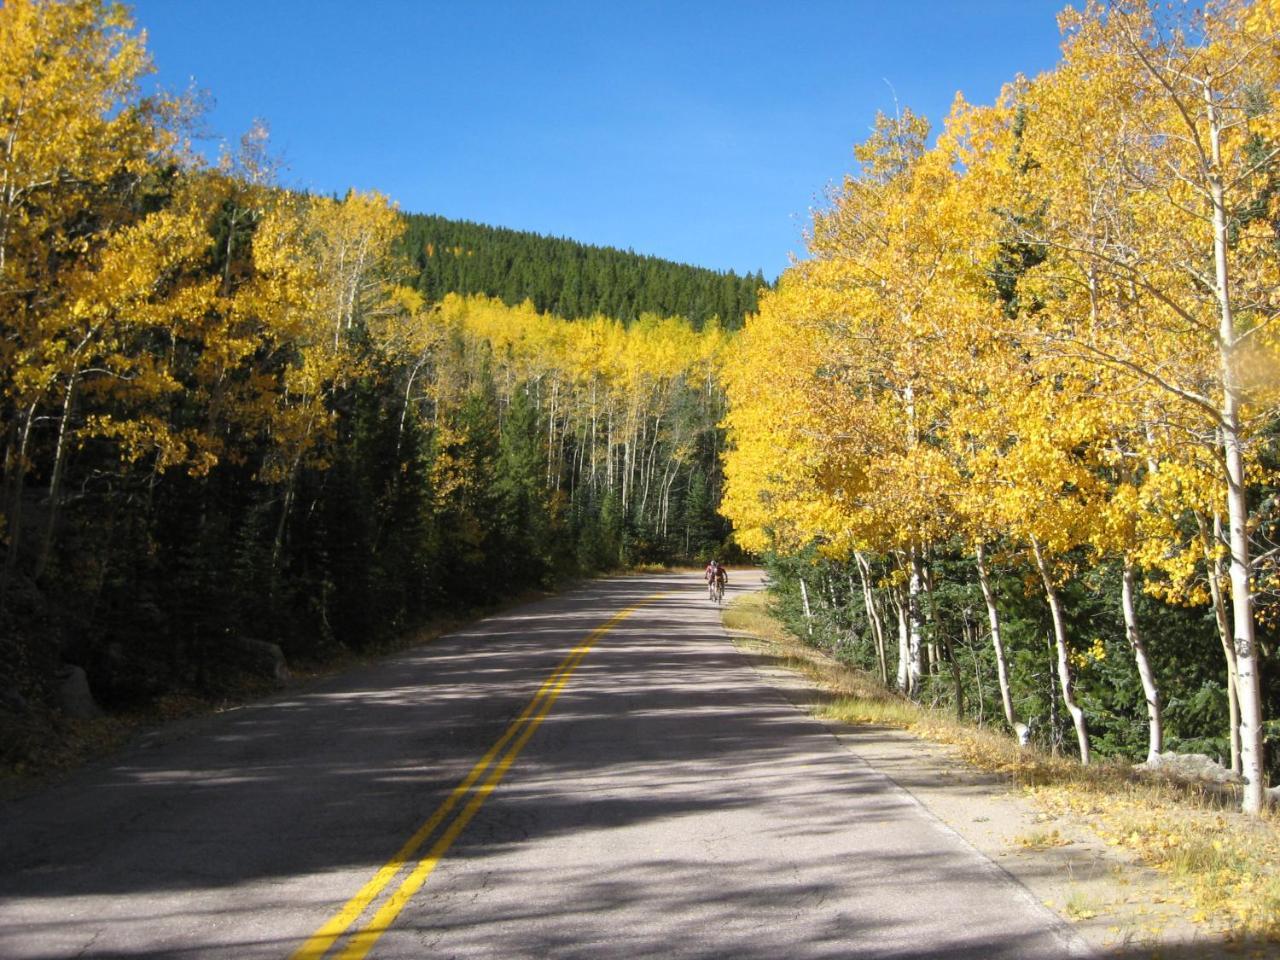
[977, 665]
[873, 615]
[808, 613]
[915, 637]
[997, 641]
[1250, 684]
[55, 479]
[1064, 661]
[404, 407]
[1155, 726]
[1217, 577]
[277, 547]
[904, 636]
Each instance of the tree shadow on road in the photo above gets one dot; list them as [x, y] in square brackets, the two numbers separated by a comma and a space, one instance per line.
[669, 805]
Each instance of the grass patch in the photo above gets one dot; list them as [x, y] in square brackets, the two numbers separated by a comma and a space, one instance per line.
[1081, 906]
[1224, 866]
[1041, 840]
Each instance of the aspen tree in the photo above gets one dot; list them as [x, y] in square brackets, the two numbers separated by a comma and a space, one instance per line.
[1180, 141]
[77, 139]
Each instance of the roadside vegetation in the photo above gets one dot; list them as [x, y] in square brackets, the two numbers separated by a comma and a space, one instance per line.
[1011, 429]
[1222, 866]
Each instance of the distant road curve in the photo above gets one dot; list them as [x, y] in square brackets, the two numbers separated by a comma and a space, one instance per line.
[600, 774]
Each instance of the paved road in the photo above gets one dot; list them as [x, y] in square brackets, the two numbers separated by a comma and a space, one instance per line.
[658, 799]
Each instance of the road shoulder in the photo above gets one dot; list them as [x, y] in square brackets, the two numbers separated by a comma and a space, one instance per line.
[1116, 905]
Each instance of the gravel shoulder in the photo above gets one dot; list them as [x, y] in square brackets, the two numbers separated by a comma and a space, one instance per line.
[1118, 906]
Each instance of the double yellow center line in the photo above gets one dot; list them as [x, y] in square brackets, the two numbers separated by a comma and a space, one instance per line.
[504, 751]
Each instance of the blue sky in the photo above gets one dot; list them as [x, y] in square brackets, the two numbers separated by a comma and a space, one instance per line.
[697, 131]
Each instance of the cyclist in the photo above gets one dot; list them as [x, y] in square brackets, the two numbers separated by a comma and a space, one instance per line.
[717, 576]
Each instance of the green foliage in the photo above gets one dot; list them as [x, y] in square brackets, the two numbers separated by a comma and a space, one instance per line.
[699, 520]
[1188, 669]
[570, 279]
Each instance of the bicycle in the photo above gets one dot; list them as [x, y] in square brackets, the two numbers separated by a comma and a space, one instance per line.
[717, 591]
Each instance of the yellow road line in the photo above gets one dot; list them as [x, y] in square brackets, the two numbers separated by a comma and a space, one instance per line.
[533, 714]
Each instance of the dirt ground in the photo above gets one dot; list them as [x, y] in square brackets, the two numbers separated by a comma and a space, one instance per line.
[1118, 906]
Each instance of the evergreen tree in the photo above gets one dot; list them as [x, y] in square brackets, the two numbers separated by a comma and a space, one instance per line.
[569, 279]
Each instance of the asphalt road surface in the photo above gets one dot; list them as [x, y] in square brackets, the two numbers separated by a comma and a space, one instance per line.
[600, 774]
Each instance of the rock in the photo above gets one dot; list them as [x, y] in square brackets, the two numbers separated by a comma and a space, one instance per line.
[1273, 796]
[131, 672]
[74, 696]
[262, 658]
[1023, 732]
[1189, 766]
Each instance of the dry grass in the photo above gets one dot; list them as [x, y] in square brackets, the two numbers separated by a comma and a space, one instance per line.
[1224, 866]
[1081, 906]
[1041, 840]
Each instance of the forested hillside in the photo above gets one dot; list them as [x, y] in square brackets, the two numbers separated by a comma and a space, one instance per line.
[567, 278]
[231, 423]
[1010, 432]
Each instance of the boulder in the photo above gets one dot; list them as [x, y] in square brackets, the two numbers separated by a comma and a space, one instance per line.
[74, 696]
[133, 671]
[1189, 766]
[261, 658]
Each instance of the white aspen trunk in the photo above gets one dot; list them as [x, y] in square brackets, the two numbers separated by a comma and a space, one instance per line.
[1064, 662]
[642, 481]
[551, 434]
[668, 481]
[1217, 577]
[997, 640]
[608, 450]
[1250, 685]
[882, 648]
[285, 508]
[873, 615]
[808, 613]
[231, 234]
[904, 635]
[932, 665]
[595, 442]
[915, 622]
[340, 270]
[625, 470]
[55, 478]
[561, 445]
[404, 407]
[1155, 724]
[647, 469]
[7, 189]
[1248, 682]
